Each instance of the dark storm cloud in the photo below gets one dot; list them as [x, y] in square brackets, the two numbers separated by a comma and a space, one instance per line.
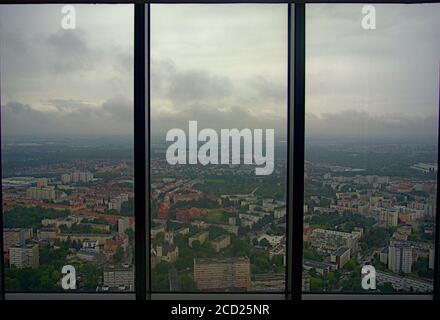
[179, 96]
[71, 51]
[234, 117]
[40, 61]
[187, 87]
[71, 117]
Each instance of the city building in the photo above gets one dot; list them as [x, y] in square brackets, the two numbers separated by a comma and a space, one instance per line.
[47, 234]
[24, 256]
[66, 178]
[122, 225]
[400, 257]
[340, 257]
[119, 278]
[222, 274]
[43, 193]
[330, 240]
[431, 258]
[201, 237]
[41, 183]
[221, 242]
[305, 282]
[89, 251]
[15, 236]
[383, 256]
[81, 176]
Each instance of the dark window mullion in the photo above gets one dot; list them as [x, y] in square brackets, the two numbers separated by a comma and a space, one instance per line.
[141, 183]
[296, 154]
[147, 118]
[290, 186]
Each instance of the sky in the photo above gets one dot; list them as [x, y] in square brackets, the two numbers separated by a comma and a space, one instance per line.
[222, 65]
[66, 82]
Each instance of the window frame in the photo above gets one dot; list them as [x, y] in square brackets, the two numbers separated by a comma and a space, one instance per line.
[296, 60]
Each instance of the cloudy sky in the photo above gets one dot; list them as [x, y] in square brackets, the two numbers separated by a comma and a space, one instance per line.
[59, 82]
[223, 65]
[377, 83]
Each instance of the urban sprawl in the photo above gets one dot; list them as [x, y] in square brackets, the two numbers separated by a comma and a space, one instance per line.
[219, 228]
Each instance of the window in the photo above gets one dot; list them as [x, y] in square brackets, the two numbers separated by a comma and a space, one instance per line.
[204, 105]
[214, 68]
[67, 148]
[371, 148]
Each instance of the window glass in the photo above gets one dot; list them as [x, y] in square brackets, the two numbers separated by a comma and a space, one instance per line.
[372, 88]
[218, 212]
[67, 147]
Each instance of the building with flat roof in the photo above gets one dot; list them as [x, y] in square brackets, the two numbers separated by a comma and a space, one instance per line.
[400, 258]
[43, 193]
[330, 240]
[24, 256]
[221, 242]
[15, 236]
[119, 277]
[201, 237]
[222, 274]
[340, 257]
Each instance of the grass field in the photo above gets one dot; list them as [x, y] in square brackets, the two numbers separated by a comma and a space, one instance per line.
[217, 216]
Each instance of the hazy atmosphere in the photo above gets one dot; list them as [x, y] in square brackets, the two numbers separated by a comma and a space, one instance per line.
[223, 65]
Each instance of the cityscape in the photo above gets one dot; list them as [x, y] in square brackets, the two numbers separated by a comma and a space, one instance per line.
[219, 228]
[60, 210]
[371, 126]
[369, 204]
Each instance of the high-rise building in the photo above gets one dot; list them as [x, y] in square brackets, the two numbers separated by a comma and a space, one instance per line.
[431, 258]
[24, 256]
[400, 257]
[393, 218]
[340, 257]
[122, 225]
[66, 178]
[41, 183]
[81, 176]
[15, 236]
[220, 274]
[305, 282]
[44, 193]
[120, 277]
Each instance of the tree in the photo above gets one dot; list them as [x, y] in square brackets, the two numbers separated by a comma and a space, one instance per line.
[316, 284]
[264, 243]
[187, 283]
[119, 254]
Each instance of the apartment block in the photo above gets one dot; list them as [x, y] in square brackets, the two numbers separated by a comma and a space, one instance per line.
[222, 274]
[24, 256]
